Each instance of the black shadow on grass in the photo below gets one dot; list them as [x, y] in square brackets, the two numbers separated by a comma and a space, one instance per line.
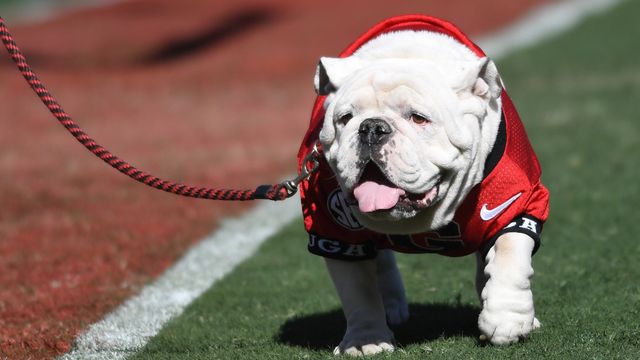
[427, 322]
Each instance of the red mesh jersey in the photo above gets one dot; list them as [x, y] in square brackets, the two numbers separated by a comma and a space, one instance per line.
[514, 181]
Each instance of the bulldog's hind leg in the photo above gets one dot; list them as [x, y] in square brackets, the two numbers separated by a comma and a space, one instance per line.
[367, 331]
[507, 313]
[392, 288]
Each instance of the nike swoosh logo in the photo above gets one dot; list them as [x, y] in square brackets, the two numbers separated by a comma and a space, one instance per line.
[486, 214]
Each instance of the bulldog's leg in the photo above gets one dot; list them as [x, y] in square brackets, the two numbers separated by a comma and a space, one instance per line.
[391, 288]
[367, 331]
[507, 301]
[481, 278]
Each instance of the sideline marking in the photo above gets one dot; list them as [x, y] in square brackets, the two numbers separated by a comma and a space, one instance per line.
[31, 12]
[541, 23]
[129, 327]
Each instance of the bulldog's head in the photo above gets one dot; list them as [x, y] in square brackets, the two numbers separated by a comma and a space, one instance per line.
[406, 137]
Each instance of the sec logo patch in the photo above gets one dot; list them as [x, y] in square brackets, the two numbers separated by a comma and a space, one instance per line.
[341, 211]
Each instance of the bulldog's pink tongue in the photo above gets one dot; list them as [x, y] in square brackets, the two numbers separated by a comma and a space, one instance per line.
[372, 196]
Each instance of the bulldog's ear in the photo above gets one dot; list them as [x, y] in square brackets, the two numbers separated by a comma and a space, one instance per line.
[331, 72]
[480, 78]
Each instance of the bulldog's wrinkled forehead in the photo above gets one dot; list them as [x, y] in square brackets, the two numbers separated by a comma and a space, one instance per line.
[395, 85]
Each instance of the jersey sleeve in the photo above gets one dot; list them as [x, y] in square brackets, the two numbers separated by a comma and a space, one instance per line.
[529, 222]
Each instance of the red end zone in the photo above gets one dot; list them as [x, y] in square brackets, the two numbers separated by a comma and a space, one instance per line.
[191, 91]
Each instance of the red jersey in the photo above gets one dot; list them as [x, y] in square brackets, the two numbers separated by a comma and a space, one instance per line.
[509, 198]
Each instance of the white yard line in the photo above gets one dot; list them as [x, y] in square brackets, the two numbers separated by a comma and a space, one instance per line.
[29, 12]
[128, 328]
[541, 23]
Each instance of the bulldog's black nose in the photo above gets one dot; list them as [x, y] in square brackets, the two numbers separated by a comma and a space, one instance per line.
[374, 130]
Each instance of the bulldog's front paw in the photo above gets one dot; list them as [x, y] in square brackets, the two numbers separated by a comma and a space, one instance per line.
[507, 318]
[364, 349]
[365, 340]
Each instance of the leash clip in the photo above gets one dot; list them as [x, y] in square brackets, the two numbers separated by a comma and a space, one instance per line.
[310, 164]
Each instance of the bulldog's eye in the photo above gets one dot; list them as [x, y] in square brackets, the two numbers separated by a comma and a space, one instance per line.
[345, 118]
[419, 119]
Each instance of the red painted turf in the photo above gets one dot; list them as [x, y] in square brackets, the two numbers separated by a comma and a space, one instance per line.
[191, 91]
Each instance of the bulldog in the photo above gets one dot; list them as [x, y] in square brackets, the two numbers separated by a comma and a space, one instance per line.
[421, 151]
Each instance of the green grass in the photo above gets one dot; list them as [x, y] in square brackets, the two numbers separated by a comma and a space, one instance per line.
[578, 95]
[13, 3]
[8, 2]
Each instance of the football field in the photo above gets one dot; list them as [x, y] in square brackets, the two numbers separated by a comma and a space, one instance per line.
[169, 86]
[578, 97]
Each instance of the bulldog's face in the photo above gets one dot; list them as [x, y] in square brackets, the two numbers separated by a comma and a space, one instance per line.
[403, 135]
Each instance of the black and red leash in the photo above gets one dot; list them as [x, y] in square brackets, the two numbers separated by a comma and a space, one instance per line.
[278, 191]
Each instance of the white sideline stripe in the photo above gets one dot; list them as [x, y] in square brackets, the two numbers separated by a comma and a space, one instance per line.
[38, 11]
[127, 329]
[541, 23]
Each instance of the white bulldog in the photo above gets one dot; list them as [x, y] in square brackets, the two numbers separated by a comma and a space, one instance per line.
[411, 119]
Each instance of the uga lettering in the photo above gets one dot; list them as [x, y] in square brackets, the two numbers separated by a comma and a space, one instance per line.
[329, 246]
[355, 250]
[338, 249]
[325, 245]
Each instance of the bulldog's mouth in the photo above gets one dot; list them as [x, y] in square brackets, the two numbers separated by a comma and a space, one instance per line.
[376, 192]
